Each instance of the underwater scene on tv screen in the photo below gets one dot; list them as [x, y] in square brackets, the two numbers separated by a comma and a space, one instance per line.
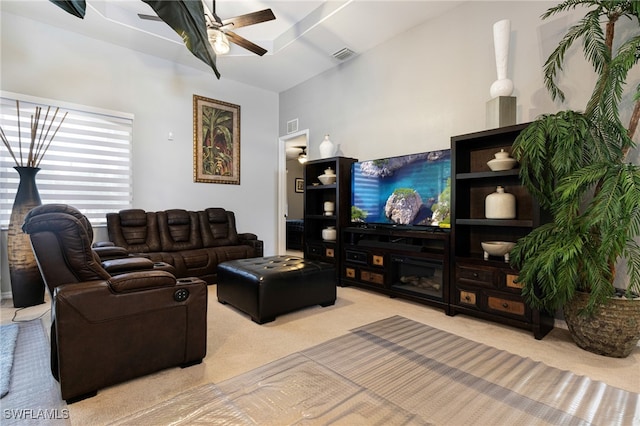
[411, 190]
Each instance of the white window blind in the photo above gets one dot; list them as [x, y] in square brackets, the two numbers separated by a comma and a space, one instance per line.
[88, 164]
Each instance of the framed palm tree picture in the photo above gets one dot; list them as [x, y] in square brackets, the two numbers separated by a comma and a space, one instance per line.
[216, 141]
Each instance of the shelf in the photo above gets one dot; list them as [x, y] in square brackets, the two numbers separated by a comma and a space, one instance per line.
[411, 232]
[496, 222]
[484, 175]
[478, 259]
[476, 284]
[315, 219]
[320, 187]
[320, 217]
[320, 241]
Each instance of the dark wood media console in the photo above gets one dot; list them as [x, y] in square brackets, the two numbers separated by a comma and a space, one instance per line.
[444, 268]
[412, 264]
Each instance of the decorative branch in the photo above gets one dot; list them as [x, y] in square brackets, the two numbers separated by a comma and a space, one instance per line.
[40, 129]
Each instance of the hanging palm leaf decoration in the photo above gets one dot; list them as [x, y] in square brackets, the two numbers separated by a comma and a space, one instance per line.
[185, 17]
[74, 7]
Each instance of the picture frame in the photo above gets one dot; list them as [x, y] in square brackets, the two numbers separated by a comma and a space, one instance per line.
[216, 141]
[299, 185]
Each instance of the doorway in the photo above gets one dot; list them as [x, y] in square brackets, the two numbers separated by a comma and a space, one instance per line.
[289, 148]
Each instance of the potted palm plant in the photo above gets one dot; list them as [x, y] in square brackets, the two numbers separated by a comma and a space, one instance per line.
[577, 165]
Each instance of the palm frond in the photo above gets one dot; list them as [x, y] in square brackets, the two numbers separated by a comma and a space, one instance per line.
[186, 17]
[553, 146]
[75, 7]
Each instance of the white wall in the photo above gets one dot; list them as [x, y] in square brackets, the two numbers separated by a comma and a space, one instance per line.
[45, 61]
[412, 93]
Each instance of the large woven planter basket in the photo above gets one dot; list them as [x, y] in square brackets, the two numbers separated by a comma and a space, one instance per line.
[613, 330]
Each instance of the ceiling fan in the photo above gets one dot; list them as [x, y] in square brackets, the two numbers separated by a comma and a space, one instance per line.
[302, 156]
[219, 30]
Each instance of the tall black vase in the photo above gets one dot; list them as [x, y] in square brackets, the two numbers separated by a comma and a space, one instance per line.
[27, 286]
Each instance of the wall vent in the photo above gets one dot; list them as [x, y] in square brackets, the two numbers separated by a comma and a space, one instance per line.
[344, 54]
[292, 126]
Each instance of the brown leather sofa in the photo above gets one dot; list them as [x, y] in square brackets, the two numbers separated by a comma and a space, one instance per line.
[107, 328]
[193, 242]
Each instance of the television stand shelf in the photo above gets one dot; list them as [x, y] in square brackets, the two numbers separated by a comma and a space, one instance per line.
[316, 219]
[412, 264]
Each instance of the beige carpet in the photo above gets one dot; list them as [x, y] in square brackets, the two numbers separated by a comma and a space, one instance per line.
[394, 372]
[236, 345]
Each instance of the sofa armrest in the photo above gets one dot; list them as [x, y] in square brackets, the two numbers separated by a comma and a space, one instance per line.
[134, 281]
[249, 239]
[127, 264]
[103, 244]
[106, 252]
[247, 236]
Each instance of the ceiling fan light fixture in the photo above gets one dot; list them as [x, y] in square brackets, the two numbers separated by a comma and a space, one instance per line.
[219, 41]
[302, 157]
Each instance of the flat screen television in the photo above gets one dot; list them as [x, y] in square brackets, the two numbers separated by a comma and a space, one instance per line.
[404, 191]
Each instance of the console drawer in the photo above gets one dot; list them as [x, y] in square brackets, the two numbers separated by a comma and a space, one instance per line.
[377, 260]
[349, 272]
[473, 275]
[372, 277]
[468, 297]
[507, 306]
[511, 282]
[316, 251]
[356, 256]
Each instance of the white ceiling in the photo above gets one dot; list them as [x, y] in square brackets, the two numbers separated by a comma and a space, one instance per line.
[300, 42]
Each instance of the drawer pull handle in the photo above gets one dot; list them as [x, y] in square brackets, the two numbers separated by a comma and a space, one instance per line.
[467, 298]
[475, 275]
[505, 305]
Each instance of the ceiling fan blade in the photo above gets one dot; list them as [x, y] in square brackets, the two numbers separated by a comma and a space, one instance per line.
[249, 19]
[243, 42]
[149, 17]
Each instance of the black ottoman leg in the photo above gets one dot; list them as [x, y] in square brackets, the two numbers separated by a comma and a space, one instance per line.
[263, 321]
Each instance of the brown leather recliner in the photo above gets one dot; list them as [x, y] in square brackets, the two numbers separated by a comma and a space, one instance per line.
[107, 329]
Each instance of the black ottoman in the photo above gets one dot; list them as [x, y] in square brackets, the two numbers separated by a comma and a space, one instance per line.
[265, 287]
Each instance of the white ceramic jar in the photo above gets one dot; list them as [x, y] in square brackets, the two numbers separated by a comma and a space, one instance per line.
[328, 177]
[500, 205]
[502, 161]
[329, 207]
[329, 233]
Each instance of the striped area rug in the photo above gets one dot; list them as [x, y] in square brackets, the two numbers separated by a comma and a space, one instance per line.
[34, 395]
[8, 337]
[395, 372]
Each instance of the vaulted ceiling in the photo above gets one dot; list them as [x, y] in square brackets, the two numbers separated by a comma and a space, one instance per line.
[301, 41]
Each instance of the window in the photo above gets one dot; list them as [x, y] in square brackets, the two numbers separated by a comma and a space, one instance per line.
[88, 164]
